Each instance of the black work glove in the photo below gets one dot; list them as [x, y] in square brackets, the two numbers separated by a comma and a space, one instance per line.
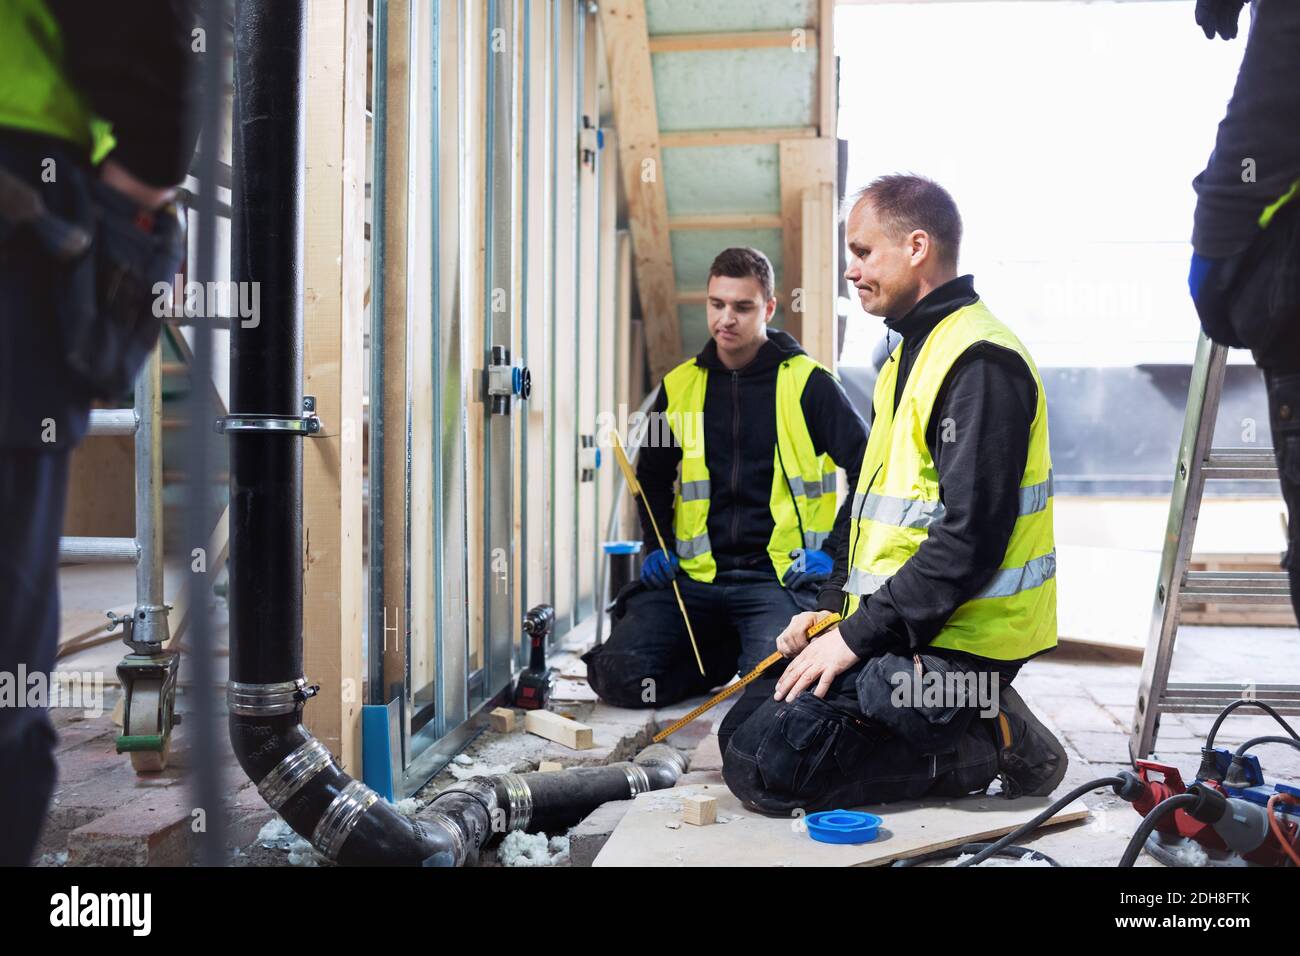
[1219, 16]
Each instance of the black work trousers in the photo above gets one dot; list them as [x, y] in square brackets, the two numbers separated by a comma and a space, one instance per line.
[868, 741]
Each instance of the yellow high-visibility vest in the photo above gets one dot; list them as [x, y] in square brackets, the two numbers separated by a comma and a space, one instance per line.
[35, 93]
[897, 500]
[802, 494]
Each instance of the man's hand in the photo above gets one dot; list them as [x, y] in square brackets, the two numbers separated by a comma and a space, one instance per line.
[1219, 16]
[141, 193]
[823, 660]
[659, 569]
[795, 636]
[810, 566]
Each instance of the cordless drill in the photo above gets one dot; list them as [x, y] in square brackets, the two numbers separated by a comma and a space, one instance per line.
[533, 689]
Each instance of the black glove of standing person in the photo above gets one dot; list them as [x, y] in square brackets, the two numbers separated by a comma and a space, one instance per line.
[1219, 16]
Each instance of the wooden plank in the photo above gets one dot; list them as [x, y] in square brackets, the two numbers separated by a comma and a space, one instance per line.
[799, 38]
[738, 220]
[393, 470]
[815, 326]
[754, 136]
[644, 837]
[803, 163]
[410, 656]
[536, 306]
[334, 283]
[473, 266]
[587, 382]
[564, 371]
[613, 330]
[826, 72]
[627, 48]
[562, 730]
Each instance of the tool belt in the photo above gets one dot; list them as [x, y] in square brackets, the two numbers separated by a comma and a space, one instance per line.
[1253, 300]
[112, 265]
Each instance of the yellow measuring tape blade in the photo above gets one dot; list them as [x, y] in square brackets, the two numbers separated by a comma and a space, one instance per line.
[825, 624]
[635, 488]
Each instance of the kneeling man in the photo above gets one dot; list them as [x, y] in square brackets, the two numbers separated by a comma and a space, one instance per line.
[742, 486]
[946, 579]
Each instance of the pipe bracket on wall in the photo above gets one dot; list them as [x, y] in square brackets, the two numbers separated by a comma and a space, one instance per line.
[306, 425]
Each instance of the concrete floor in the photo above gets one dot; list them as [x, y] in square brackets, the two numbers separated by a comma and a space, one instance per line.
[104, 813]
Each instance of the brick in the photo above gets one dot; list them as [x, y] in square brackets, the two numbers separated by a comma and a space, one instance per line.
[155, 829]
[707, 756]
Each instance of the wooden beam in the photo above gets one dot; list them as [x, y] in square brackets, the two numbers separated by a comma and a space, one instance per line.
[334, 283]
[414, 652]
[818, 237]
[560, 729]
[798, 38]
[803, 163]
[826, 73]
[627, 47]
[739, 220]
[691, 297]
[391, 470]
[754, 136]
[535, 540]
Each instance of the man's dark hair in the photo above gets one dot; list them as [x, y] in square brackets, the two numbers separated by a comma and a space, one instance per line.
[740, 262]
[907, 202]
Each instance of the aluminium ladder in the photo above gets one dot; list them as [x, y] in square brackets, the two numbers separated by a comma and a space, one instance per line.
[1197, 463]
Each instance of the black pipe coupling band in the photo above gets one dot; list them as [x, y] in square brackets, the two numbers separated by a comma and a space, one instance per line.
[519, 801]
[637, 779]
[268, 700]
[341, 817]
[664, 762]
[293, 772]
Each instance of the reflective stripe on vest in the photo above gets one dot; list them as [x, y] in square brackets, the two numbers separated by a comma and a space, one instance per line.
[802, 496]
[1014, 615]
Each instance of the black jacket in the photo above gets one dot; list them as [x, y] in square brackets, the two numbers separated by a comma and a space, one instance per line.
[136, 64]
[984, 407]
[739, 443]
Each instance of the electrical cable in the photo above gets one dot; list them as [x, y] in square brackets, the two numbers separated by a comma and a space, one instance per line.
[952, 852]
[1149, 823]
[1242, 702]
[1033, 824]
[1255, 741]
[1275, 825]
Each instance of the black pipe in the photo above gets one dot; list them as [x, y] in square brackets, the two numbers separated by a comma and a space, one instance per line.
[344, 819]
[295, 773]
[547, 802]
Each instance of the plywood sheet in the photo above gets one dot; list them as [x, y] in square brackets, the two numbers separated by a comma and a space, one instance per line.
[1104, 595]
[644, 837]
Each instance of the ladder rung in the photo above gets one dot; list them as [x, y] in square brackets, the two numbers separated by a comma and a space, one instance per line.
[1210, 698]
[112, 421]
[1239, 463]
[1236, 587]
[77, 550]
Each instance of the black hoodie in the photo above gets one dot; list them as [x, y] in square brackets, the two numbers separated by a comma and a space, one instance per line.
[985, 405]
[739, 439]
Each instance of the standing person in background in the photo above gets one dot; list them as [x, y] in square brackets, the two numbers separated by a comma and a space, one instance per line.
[1245, 271]
[95, 132]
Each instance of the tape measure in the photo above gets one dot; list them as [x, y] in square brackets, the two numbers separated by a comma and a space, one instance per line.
[825, 624]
